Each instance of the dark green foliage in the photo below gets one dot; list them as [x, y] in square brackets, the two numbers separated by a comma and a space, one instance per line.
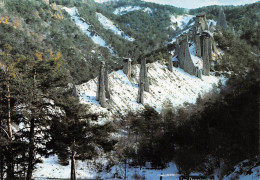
[148, 130]
[239, 56]
[75, 133]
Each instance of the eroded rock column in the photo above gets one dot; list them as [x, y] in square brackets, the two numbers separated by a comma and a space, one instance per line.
[221, 21]
[170, 64]
[127, 67]
[101, 96]
[143, 75]
[140, 98]
[205, 54]
[106, 83]
[197, 42]
[177, 48]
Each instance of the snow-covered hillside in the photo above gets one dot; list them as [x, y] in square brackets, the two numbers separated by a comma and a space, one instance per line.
[181, 21]
[108, 24]
[175, 88]
[81, 23]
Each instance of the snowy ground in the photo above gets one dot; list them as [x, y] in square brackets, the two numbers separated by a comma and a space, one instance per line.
[108, 24]
[80, 22]
[51, 169]
[175, 88]
[127, 9]
[239, 172]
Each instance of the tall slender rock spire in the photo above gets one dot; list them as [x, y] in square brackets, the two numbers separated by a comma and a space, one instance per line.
[101, 96]
[143, 75]
[184, 57]
[197, 41]
[127, 67]
[206, 51]
[221, 21]
[140, 98]
[106, 82]
[170, 64]
[177, 47]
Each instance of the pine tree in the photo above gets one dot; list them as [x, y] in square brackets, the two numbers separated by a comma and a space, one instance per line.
[75, 136]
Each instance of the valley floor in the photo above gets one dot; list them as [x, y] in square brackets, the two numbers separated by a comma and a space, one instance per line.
[50, 169]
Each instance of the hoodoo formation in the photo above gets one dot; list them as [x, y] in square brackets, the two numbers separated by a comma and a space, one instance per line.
[127, 67]
[204, 44]
[221, 22]
[101, 89]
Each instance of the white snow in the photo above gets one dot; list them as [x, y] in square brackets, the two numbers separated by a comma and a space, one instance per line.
[166, 87]
[108, 24]
[212, 21]
[148, 10]
[180, 21]
[51, 169]
[81, 23]
[85, 170]
[169, 173]
[196, 60]
[239, 174]
[127, 9]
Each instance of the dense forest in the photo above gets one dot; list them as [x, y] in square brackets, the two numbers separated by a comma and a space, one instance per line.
[219, 129]
[43, 55]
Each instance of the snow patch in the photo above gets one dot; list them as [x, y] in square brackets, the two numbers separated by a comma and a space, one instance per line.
[108, 24]
[181, 21]
[239, 172]
[127, 9]
[81, 23]
[51, 169]
[212, 21]
[196, 60]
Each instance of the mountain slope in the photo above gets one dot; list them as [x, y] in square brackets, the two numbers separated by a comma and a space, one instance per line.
[166, 89]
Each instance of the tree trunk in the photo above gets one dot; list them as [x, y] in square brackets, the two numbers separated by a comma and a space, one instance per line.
[9, 110]
[1, 159]
[31, 133]
[31, 150]
[10, 167]
[125, 168]
[73, 168]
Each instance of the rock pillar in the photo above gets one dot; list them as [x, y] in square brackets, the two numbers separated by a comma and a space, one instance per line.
[177, 48]
[197, 42]
[221, 21]
[106, 82]
[143, 75]
[170, 65]
[140, 98]
[100, 96]
[127, 67]
[205, 53]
